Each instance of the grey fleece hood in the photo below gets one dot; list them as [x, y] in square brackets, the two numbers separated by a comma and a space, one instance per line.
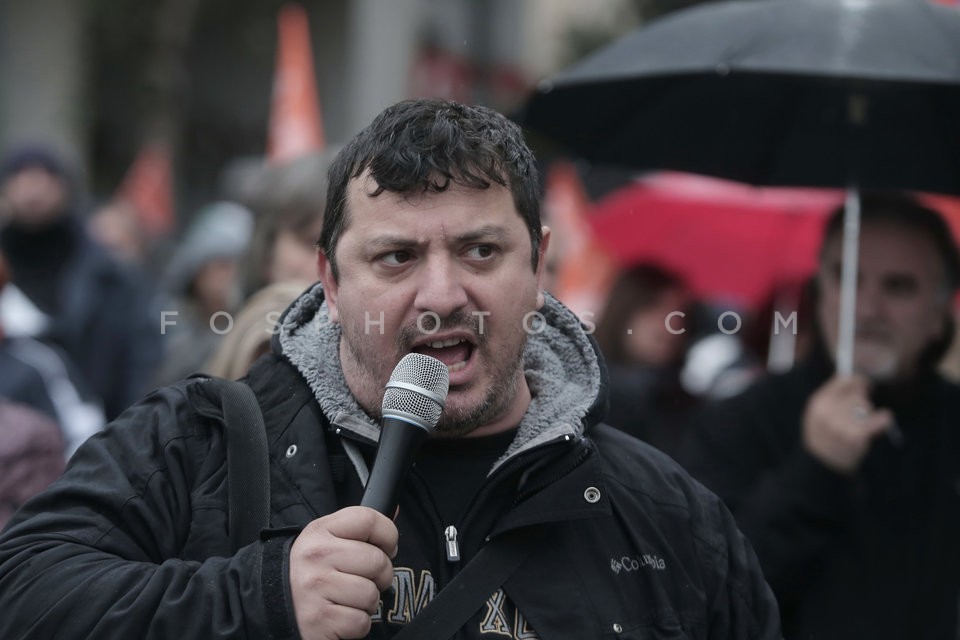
[561, 364]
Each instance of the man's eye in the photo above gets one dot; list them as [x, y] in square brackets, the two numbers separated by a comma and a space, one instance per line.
[481, 251]
[901, 286]
[395, 258]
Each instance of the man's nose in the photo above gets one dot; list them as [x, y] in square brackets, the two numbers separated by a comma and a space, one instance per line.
[441, 288]
[868, 301]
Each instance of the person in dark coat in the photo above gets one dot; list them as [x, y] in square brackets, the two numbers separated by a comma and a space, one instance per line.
[431, 244]
[847, 486]
[643, 340]
[41, 377]
[103, 316]
[31, 455]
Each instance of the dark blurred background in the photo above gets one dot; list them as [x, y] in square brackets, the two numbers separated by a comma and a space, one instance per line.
[96, 79]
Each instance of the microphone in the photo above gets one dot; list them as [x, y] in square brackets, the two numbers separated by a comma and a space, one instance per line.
[412, 403]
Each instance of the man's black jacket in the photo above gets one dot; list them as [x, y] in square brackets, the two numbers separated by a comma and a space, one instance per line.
[132, 542]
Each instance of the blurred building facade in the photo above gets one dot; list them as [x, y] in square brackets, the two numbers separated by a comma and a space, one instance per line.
[42, 74]
[87, 77]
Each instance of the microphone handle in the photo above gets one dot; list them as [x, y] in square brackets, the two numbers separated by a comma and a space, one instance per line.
[399, 443]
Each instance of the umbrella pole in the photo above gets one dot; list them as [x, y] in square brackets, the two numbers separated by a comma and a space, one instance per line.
[848, 282]
[782, 349]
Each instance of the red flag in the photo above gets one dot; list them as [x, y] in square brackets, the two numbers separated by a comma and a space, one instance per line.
[295, 123]
[148, 186]
[584, 269]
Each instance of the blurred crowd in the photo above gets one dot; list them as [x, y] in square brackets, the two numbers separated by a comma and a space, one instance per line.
[831, 477]
[95, 312]
[846, 483]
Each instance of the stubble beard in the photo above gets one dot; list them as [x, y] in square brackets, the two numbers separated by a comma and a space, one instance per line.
[458, 422]
[504, 382]
[368, 367]
[363, 370]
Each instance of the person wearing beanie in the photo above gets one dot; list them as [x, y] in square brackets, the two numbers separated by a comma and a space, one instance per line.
[79, 298]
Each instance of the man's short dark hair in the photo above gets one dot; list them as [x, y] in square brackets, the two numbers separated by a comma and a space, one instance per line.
[423, 145]
[907, 212]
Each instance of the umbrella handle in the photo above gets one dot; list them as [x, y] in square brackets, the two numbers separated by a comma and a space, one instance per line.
[848, 282]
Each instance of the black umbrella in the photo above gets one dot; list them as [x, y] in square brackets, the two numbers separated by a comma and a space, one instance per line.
[773, 92]
[849, 93]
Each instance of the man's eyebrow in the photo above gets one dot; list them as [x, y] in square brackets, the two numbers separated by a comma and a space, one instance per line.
[486, 232]
[901, 278]
[395, 241]
[392, 242]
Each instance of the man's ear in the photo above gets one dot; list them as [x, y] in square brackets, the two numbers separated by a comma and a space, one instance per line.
[542, 265]
[330, 289]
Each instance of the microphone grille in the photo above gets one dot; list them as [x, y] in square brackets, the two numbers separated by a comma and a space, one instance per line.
[430, 379]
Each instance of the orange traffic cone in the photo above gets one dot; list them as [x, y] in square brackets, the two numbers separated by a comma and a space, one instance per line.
[584, 269]
[148, 186]
[295, 127]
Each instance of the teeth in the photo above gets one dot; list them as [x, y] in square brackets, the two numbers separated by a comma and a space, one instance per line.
[458, 366]
[439, 344]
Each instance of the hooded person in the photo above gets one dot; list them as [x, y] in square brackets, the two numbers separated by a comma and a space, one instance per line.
[204, 289]
[69, 289]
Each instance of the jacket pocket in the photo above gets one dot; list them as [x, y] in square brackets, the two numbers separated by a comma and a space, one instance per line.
[668, 629]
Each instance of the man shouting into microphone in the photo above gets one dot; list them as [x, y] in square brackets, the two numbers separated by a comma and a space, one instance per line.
[431, 244]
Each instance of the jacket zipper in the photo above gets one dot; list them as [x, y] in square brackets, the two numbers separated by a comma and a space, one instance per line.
[450, 533]
[453, 547]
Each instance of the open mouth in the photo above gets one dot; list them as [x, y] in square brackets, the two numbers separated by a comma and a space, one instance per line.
[453, 352]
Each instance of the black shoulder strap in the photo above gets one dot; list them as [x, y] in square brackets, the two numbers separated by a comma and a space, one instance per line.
[470, 588]
[248, 462]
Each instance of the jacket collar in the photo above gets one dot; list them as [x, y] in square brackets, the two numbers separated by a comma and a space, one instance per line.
[567, 486]
[563, 367]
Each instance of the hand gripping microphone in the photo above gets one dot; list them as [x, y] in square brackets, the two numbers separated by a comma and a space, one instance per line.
[412, 403]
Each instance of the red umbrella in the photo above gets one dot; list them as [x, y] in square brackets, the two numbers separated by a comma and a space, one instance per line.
[731, 241]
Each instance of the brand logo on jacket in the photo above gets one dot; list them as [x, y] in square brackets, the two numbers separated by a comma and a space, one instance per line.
[629, 564]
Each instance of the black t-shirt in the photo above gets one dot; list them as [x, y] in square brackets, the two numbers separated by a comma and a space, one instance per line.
[455, 468]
